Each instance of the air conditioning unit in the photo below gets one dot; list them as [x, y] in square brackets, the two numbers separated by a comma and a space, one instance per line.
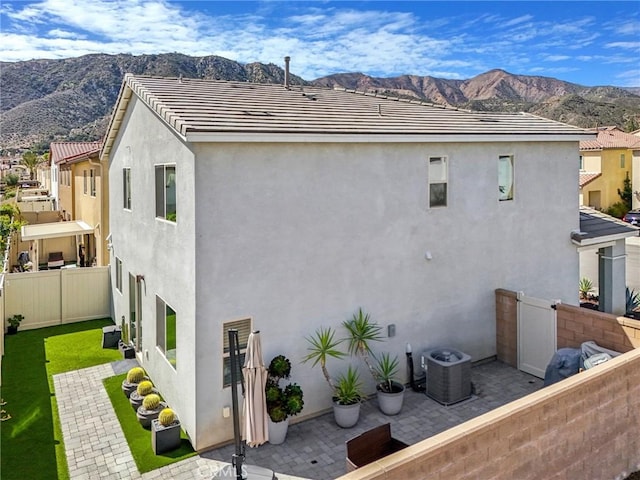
[448, 375]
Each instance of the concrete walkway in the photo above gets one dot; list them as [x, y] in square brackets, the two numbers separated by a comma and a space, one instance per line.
[96, 447]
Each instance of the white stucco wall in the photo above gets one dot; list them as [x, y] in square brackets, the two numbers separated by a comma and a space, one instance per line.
[300, 235]
[163, 252]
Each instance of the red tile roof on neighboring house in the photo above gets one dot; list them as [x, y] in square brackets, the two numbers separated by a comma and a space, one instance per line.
[588, 177]
[69, 151]
[610, 137]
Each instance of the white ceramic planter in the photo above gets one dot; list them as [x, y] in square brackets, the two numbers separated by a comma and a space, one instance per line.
[346, 416]
[391, 403]
[278, 431]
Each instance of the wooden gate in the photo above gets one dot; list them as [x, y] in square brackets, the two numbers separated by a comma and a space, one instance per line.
[537, 334]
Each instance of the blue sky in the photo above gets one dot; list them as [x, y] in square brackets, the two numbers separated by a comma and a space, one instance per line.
[585, 42]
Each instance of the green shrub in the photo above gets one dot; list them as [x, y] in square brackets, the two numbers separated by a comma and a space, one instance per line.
[151, 401]
[145, 388]
[135, 375]
[166, 417]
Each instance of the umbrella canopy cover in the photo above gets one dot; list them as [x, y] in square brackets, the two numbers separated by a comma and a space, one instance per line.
[255, 422]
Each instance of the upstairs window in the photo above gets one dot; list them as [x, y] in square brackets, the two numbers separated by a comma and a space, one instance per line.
[166, 192]
[505, 177]
[581, 162]
[92, 173]
[85, 182]
[126, 184]
[438, 181]
[244, 329]
[622, 162]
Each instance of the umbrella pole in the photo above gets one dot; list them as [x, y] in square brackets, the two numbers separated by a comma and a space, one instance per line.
[234, 354]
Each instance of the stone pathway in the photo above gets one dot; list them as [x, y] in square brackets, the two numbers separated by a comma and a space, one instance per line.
[95, 444]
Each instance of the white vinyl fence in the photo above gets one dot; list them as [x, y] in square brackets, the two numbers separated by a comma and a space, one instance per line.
[55, 297]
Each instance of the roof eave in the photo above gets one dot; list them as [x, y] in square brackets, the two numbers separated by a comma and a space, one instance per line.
[609, 238]
[332, 137]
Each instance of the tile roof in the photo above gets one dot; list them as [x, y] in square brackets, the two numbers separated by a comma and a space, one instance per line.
[69, 151]
[588, 177]
[610, 137]
[197, 108]
[597, 227]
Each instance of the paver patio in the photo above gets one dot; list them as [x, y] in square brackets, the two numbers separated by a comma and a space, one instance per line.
[314, 449]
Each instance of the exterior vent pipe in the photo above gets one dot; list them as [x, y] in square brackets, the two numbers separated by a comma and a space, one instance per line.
[286, 72]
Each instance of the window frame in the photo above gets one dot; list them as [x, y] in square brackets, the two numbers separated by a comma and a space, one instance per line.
[163, 210]
[85, 183]
[163, 335]
[92, 181]
[119, 274]
[126, 188]
[434, 202]
[245, 327]
[510, 195]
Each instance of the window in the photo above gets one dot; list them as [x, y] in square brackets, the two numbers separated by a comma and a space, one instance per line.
[126, 182]
[505, 177]
[84, 178]
[119, 274]
[166, 327]
[437, 182]
[581, 162]
[244, 329]
[92, 174]
[622, 160]
[166, 192]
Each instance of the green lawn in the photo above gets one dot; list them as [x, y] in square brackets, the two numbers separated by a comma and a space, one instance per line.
[31, 442]
[138, 438]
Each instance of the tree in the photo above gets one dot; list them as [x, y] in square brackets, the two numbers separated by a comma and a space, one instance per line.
[31, 161]
[626, 194]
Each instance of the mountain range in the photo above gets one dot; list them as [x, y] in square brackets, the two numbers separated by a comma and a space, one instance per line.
[72, 99]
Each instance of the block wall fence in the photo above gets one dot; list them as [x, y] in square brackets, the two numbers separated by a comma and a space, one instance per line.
[585, 426]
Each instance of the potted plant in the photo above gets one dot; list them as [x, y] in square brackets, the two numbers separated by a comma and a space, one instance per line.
[281, 402]
[389, 391]
[14, 323]
[134, 377]
[151, 407]
[361, 331]
[126, 349]
[347, 398]
[323, 345]
[145, 387]
[165, 432]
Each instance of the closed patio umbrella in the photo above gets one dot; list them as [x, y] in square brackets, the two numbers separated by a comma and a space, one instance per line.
[255, 422]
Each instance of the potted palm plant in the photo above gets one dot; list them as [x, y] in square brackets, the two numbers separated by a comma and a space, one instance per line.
[361, 332]
[389, 391]
[347, 398]
[14, 323]
[281, 402]
[347, 391]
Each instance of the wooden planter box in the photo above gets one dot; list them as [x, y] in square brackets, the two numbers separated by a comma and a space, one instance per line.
[371, 446]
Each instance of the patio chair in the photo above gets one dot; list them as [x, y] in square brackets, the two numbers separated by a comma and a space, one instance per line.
[371, 446]
[56, 260]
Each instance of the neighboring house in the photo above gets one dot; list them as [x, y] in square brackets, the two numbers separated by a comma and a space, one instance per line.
[604, 164]
[283, 209]
[635, 178]
[78, 185]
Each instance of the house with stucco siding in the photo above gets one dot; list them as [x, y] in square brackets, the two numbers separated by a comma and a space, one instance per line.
[283, 208]
[605, 163]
